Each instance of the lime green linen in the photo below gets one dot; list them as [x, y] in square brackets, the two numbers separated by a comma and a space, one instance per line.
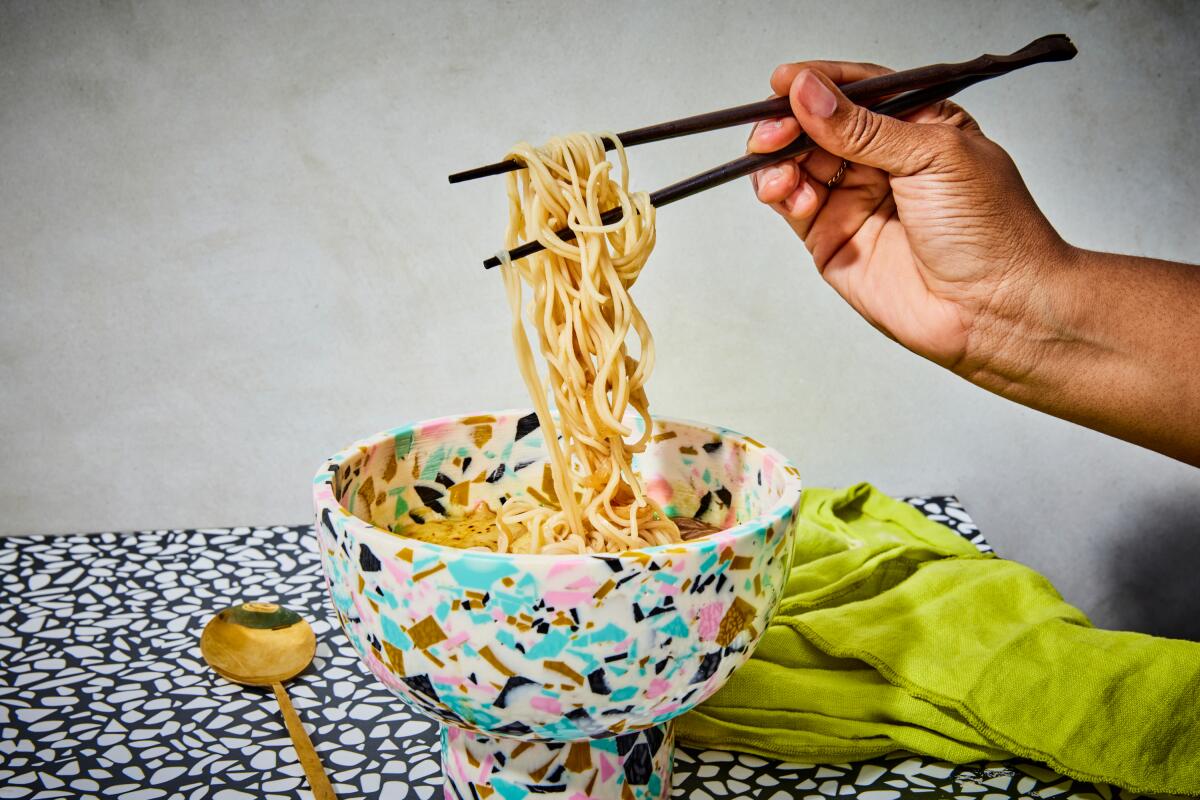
[897, 634]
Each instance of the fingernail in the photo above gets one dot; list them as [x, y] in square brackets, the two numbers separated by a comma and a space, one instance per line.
[815, 96]
[766, 126]
[803, 195]
[770, 175]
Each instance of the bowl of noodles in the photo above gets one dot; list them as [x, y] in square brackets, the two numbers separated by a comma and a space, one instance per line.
[578, 660]
[556, 585]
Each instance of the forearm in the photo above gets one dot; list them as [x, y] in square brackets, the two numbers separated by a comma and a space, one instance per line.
[1110, 342]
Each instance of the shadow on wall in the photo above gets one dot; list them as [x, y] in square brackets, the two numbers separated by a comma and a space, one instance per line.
[1155, 568]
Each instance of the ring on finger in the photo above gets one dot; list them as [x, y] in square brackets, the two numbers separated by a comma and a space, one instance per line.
[833, 182]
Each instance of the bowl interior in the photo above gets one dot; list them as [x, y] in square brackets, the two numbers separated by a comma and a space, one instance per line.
[443, 468]
[551, 647]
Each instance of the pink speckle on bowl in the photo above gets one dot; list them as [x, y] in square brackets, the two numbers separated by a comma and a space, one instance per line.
[659, 489]
[710, 620]
[547, 704]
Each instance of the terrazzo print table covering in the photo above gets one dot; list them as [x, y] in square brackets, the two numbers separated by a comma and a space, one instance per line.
[103, 693]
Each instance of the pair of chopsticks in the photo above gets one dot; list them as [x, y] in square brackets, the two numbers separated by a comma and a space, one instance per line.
[905, 92]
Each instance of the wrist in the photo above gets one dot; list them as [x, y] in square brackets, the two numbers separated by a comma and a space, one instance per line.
[1028, 319]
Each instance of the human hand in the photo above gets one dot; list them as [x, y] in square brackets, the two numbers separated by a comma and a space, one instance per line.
[931, 235]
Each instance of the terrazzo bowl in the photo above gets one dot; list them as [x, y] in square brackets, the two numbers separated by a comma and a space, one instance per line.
[554, 676]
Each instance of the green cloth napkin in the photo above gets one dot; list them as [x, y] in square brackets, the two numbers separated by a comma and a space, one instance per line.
[897, 634]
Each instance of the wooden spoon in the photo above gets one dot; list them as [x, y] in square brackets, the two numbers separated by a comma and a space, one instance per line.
[264, 644]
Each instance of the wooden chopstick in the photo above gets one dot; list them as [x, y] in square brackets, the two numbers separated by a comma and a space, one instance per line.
[926, 86]
[740, 167]
[1056, 47]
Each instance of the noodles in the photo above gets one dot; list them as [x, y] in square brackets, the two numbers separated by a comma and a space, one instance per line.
[582, 313]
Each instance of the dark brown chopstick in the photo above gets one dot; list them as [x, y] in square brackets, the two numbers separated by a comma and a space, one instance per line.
[900, 104]
[753, 162]
[1056, 47]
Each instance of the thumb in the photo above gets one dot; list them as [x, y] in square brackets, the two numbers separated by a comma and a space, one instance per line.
[857, 134]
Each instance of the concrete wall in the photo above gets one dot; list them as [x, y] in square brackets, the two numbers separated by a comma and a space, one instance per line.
[228, 248]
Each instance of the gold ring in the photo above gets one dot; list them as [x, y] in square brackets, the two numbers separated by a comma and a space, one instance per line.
[833, 182]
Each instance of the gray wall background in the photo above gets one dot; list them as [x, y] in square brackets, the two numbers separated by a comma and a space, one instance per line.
[228, 249]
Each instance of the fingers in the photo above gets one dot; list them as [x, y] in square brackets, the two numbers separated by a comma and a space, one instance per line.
[844, 212]
[840, 72]
[825, 219]
[823, 166]
[875, 147]
[859, 135]
[945, 112]
[775, 183]
[801, 204]
[772, 134]
[808, 193]
[779, 183]
[843, 72]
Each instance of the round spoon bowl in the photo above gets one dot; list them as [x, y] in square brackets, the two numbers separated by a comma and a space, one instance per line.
[258, 644]
[264, 644]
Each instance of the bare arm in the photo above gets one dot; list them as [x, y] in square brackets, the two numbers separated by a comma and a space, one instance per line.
[1108, 341]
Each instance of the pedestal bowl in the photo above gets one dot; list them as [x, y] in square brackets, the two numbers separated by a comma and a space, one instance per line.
[554, 676]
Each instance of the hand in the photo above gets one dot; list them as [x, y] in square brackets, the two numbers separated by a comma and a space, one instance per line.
[931, 235]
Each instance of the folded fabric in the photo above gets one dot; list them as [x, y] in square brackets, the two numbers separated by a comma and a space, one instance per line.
[897, 634]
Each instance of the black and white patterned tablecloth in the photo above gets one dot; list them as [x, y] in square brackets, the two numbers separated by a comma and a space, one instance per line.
[103, 692]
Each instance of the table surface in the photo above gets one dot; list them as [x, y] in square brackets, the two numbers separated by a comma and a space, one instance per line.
[103, 692]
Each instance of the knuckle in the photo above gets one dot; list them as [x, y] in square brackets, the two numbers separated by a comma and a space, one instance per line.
[957, 116]
[951, 148]
[953, 142]
[862, 130]
[939, 149]
[947, 137]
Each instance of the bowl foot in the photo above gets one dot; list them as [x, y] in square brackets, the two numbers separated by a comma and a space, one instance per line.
[632, 766]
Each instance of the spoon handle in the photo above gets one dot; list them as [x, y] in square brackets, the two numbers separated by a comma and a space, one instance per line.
[318, 781]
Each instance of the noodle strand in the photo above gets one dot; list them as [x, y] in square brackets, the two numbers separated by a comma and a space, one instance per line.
[582, 314]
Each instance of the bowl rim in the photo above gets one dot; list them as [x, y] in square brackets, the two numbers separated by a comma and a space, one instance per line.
[784, 507]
